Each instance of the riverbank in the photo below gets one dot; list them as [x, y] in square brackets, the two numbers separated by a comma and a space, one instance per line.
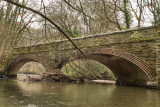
[57, 77]
[62, 78]
[104, 81]
[3, 77]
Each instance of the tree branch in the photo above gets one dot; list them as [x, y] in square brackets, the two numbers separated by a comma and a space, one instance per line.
[45, 17]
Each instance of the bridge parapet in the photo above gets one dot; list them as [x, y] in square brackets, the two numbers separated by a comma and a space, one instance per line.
[116, 38]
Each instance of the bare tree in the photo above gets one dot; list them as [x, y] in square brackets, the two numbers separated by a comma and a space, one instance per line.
[154, 8]
[12, 27]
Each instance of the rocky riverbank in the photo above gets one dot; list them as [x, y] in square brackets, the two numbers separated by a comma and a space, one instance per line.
[3, 77]
[49, 76]
[59, 77]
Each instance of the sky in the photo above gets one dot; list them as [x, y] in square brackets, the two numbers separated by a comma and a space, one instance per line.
[37, 5]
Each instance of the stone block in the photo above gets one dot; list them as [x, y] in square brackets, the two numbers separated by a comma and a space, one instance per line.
[158, 70]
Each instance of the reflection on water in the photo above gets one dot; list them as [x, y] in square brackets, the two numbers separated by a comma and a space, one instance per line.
[25, 94]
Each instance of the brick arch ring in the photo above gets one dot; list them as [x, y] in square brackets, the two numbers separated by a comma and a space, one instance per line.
[125, 66]
[19, 61]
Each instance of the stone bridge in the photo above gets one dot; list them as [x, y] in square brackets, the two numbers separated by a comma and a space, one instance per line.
[133, 55]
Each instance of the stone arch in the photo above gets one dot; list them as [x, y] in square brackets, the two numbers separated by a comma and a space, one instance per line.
[19, 61]
[127, 67]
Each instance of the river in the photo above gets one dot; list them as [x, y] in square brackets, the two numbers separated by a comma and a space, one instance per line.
[55, 94]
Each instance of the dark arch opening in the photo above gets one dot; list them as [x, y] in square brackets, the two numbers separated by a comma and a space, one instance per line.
[32, 68]
[16, 65]
[20, 63]
[87, 69]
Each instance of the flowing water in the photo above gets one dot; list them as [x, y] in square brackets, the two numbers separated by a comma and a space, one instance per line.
[50, 94]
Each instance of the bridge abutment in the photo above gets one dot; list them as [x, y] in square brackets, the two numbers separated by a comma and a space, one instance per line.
[158, 60]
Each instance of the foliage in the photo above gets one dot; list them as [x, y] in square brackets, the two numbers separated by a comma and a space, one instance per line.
[1, 14]
[136, 36]
[32, 68]
[73, 33]
[87, 69]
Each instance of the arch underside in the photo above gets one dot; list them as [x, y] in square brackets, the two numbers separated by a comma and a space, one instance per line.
[126, 67]
[19, 61]
[14, 67]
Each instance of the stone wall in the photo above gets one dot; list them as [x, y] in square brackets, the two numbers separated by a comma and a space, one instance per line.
[144, 46]
[108, 40]
[158, 59]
